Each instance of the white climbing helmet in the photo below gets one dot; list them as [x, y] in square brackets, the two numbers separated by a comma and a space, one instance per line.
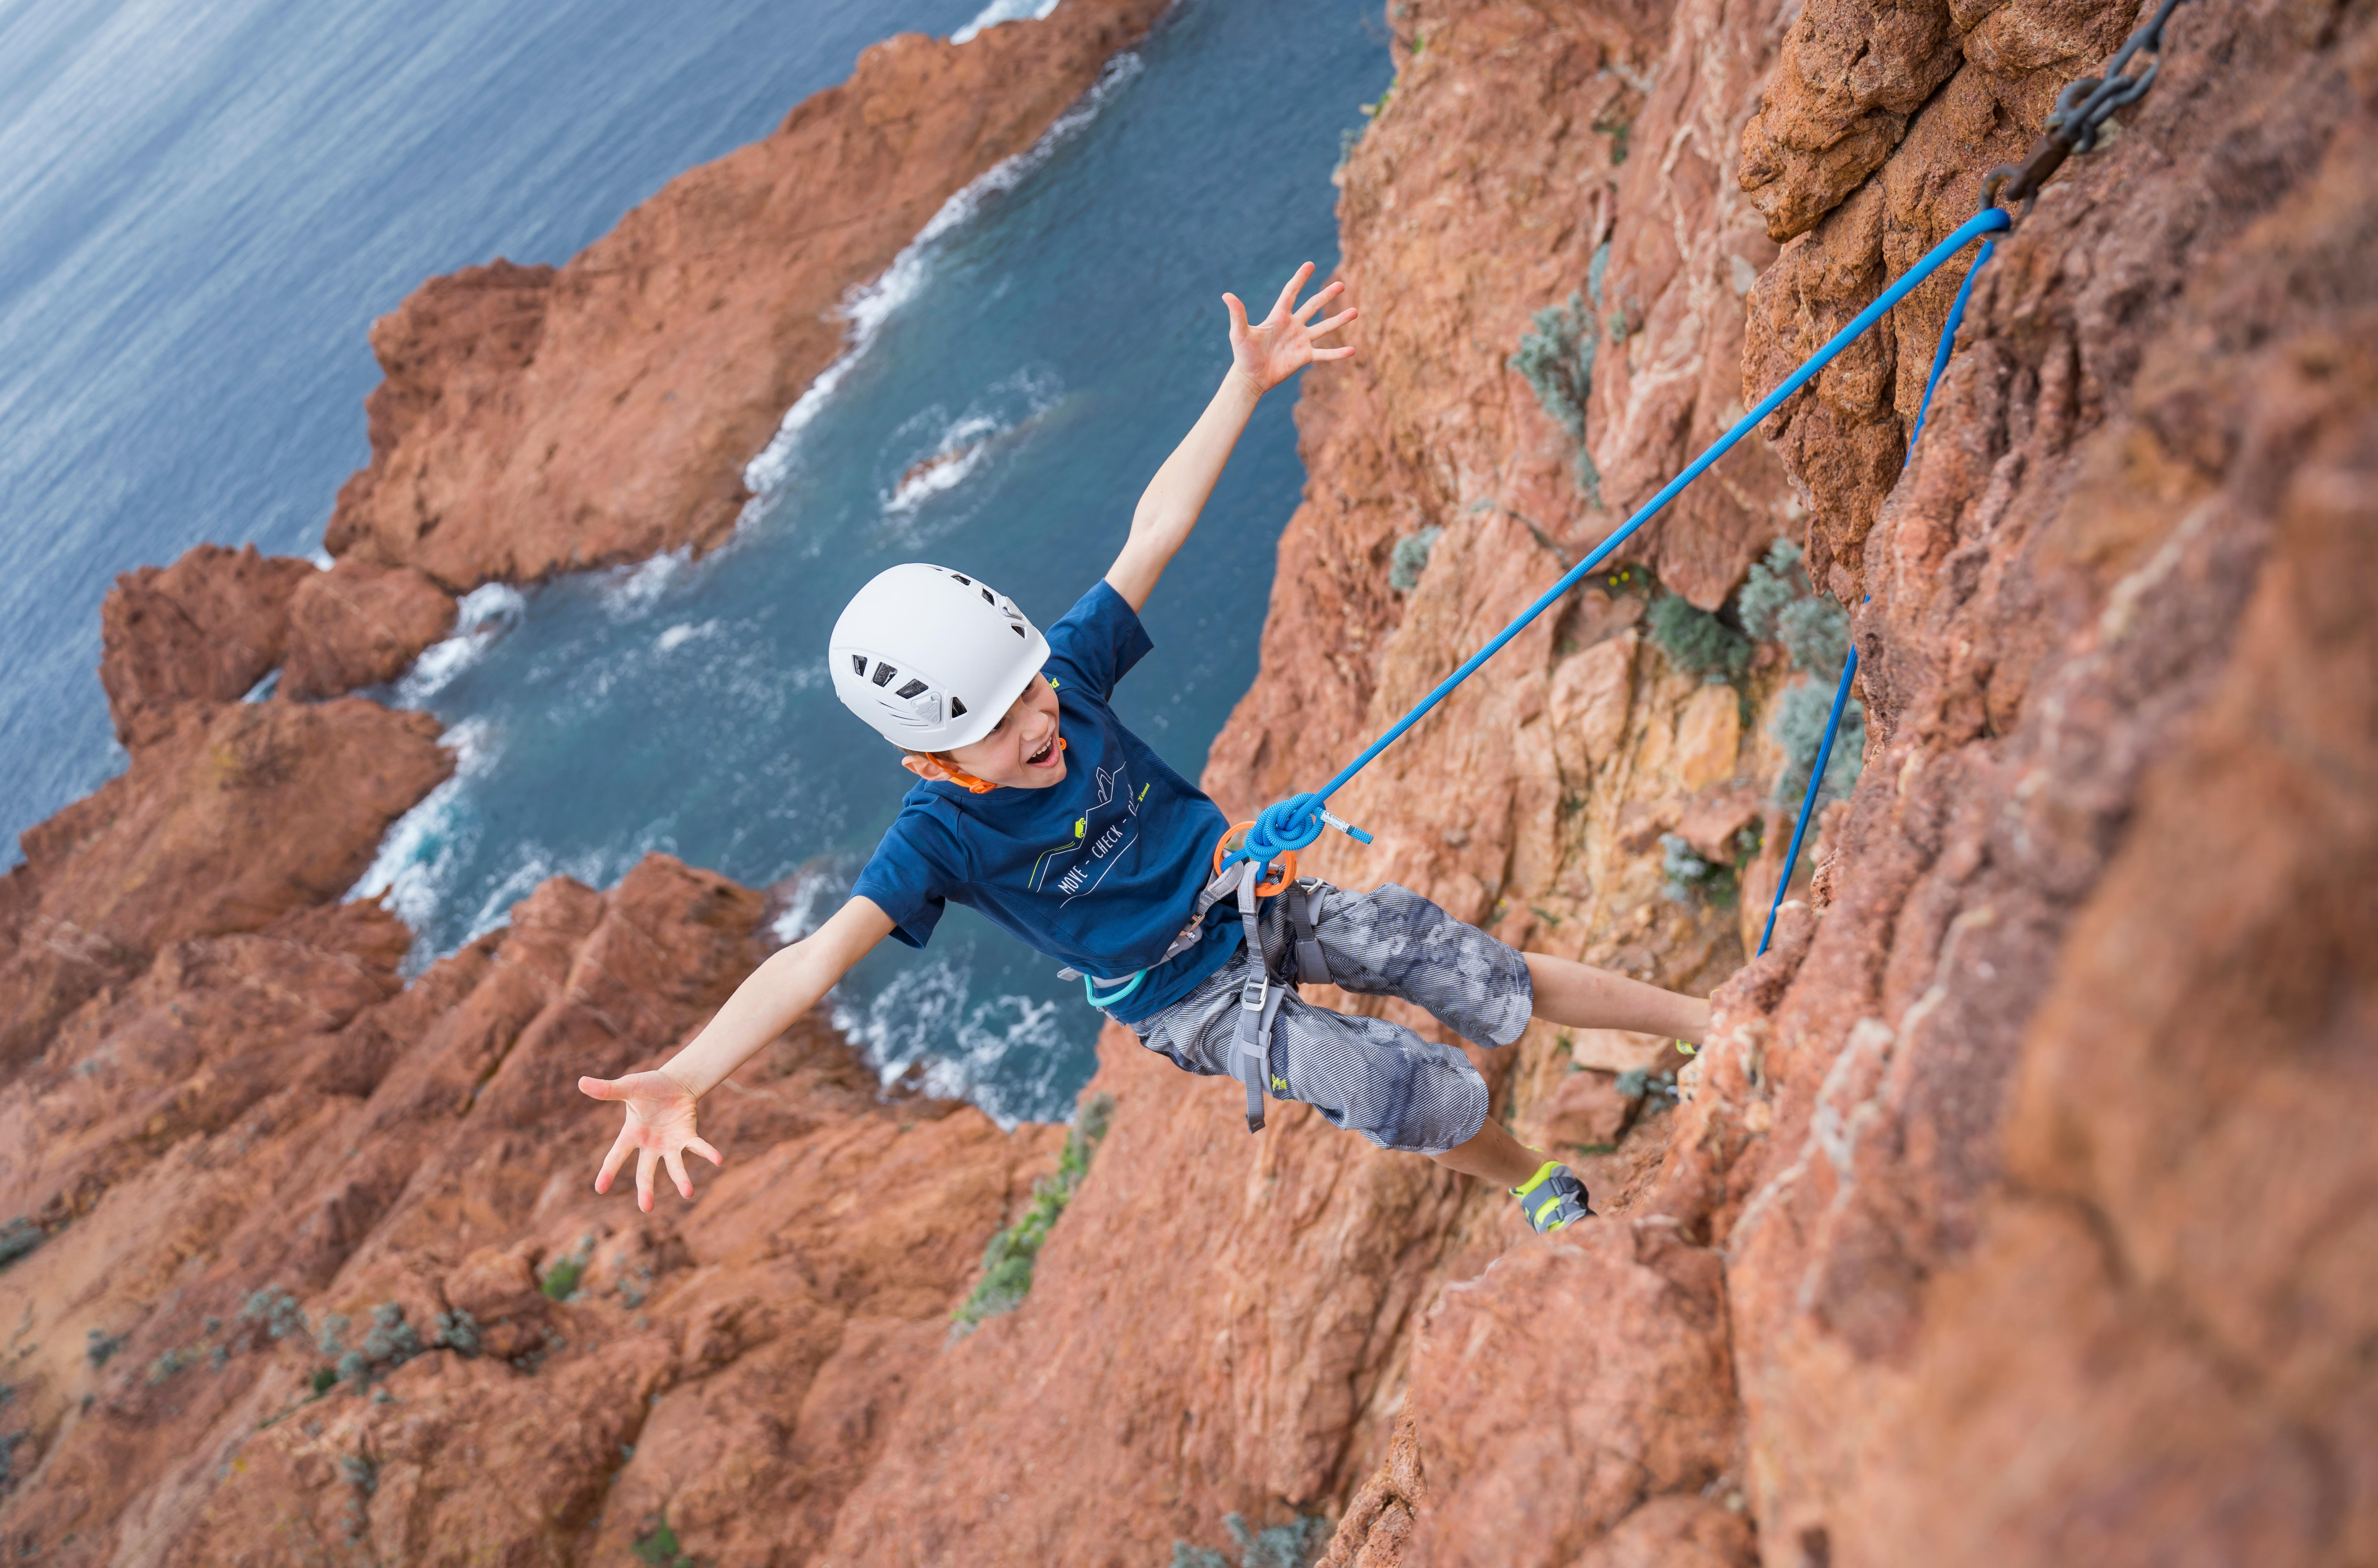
[931, 657]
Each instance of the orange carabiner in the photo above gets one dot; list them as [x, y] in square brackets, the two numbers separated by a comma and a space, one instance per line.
[1287, 862]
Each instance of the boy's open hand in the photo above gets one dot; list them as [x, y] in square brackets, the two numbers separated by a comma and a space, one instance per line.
[1281, 345]
[659, 1129]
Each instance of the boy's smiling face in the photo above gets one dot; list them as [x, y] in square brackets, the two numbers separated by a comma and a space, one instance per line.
[1022, 751]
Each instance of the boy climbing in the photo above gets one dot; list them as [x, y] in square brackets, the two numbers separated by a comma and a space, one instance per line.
[1037, 808]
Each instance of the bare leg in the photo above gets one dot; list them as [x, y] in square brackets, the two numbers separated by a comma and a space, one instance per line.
[1493, 1155]
[1578, 994]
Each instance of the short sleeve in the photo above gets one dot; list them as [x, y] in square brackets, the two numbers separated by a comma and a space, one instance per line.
[1098, 641]
[911, 874]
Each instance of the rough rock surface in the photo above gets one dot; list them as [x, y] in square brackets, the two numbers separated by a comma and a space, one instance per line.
[2016, 1214]
[270, 1112]
[534, 420]
[2012, 1215]
[360, 625]
[206, 628]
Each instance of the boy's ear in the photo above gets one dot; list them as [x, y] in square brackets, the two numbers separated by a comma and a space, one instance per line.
[924, 767]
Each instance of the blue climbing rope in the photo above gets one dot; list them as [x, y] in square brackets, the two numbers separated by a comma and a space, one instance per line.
[1297, 821]
[1849, 669]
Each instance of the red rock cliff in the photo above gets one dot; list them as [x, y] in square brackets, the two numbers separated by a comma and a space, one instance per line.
[2012, 1216]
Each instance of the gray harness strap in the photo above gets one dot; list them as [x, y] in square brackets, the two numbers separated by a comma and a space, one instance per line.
[1312, 963]
[1259, 998]
[1258, 1005]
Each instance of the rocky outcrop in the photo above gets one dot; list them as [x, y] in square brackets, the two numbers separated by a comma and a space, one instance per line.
[326, 1272]
[204, 630]
[2007, 1219]
[534, 420]
[360, 625]
[239, 813]
[303, 1261]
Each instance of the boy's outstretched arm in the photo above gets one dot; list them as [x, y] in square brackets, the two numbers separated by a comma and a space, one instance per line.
[1262, 356]
[661, 1103]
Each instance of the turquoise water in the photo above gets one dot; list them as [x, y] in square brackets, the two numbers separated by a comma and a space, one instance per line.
[1052, 336]
[207, 206]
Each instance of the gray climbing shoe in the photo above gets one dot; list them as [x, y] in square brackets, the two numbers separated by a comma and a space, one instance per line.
[1552, 1199]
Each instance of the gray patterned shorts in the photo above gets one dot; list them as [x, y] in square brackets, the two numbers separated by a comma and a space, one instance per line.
[1380, 1079]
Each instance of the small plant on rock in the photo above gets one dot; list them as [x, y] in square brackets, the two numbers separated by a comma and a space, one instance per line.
[1007, 1261]
[1410, 558]
[1695, 640]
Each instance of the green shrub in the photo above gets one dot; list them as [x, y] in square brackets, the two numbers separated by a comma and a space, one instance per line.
[1689, 878]
[1410, 558]
[99, 1345]
[1556, 359]
[1007, 1261]
[1283, 1546]
[1798, 727]
[276, 1310]
[1776, 580]
[18, 1237]
[567, 1269]
[659, 1547]
[1695, 640]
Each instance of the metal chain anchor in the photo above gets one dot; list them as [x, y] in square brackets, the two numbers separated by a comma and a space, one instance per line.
[2081, 112]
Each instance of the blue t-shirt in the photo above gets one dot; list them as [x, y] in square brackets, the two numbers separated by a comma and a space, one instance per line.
[1100, 871]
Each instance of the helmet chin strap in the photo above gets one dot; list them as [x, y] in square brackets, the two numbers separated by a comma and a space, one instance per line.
[932, 765]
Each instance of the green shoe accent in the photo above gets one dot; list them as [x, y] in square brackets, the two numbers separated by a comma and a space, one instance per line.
[1552, 1199]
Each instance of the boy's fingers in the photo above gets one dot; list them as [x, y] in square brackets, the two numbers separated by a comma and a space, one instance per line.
[1237, 312]
[1304, 312]
[613, 1161]
[601, 1089]
[1333, 353]
[1288, 294]
[675, 1164]
[645, 1160]
[699, 1146]
[1333, 323]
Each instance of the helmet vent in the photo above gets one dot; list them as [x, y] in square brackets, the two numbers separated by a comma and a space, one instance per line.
[858, 663]
[1018, 631]
[883, 672]
[986, 596]
[911, 690]
[957, 709]
[962, 578]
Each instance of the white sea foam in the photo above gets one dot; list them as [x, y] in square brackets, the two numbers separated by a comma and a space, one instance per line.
[682, 633]
[958, 453]
[483, 617]
[815, 890]
[998, 1039]
[1000, 11]
[896, 1026]
[867, 307]
[422, 847]
[630, 592]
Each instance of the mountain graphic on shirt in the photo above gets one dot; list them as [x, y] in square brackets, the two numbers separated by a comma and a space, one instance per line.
[1076, 867]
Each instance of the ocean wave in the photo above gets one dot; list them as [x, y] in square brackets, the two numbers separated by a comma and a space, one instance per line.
[868, 306]
[682, 633]
[1000, 11]
[630, 592]
[895, 1027]
[998, 1045]
[805, 900]
[482, 616]
[422, 849]
[953, 451]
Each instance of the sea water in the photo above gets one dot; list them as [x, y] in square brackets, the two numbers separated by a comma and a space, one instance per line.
[1008, 387]
[208, 204]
